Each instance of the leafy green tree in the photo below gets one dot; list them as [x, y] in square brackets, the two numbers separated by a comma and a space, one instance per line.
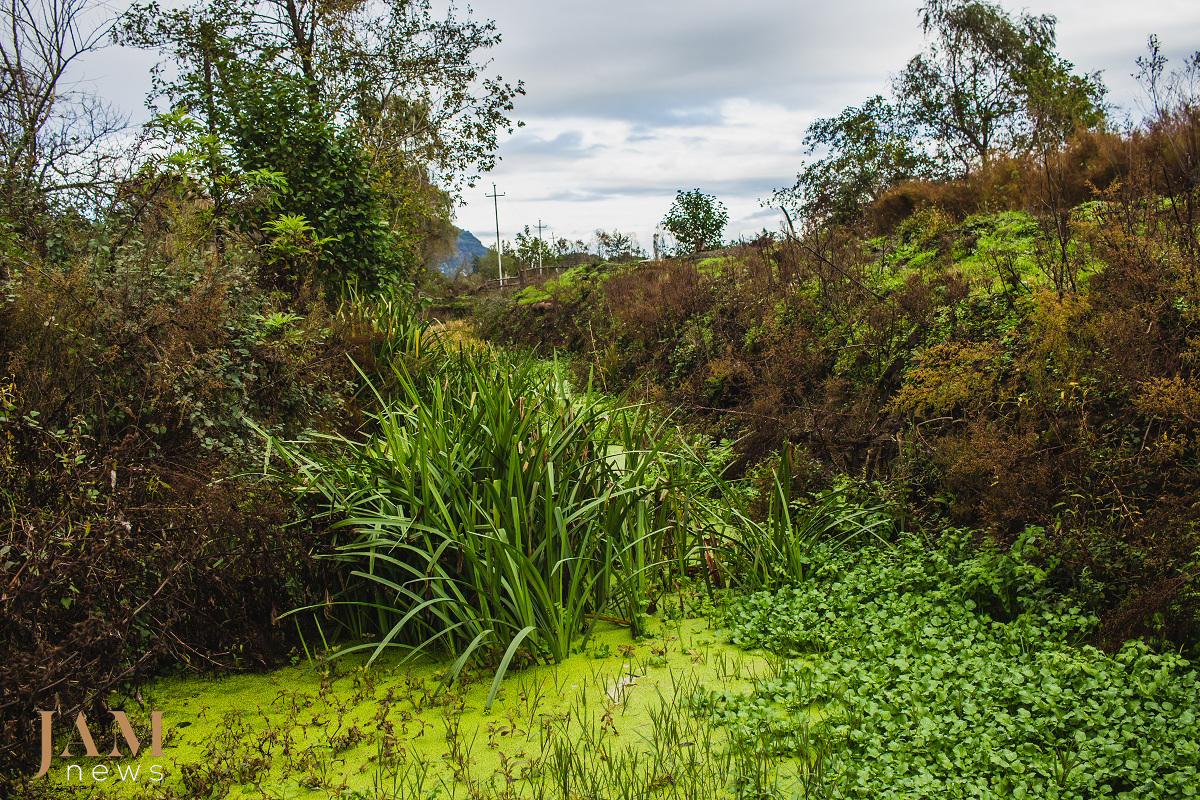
[866, 150]
[696, 220]
[367, 109]
[987, 82]
[407, 81]
[327, 182]
[533, 251]
[488, 266]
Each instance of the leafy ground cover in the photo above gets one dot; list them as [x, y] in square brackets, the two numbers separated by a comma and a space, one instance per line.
[955, 672]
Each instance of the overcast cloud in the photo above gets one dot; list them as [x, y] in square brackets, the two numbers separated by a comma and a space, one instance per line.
[631, 100]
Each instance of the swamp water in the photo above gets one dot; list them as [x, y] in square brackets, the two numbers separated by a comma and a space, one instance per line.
[612, 721]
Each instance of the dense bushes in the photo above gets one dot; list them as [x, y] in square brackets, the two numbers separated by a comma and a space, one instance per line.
[1006, 367]
[133, 539]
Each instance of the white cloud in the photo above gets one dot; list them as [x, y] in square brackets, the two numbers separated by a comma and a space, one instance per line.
[752, 74]
[628, 173]
[631, 100]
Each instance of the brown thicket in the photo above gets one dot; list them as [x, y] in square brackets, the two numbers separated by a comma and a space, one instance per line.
[136, 535]
[1055, 384]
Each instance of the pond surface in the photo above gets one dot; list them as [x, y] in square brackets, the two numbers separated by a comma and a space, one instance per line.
[615, 712]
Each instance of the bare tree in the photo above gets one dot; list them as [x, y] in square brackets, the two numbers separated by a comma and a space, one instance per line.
[51, 130]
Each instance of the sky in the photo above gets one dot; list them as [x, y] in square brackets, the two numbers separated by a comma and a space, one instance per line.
[629, 101]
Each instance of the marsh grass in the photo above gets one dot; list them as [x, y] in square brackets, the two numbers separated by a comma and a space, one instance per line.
[491, 511]
[784, 546]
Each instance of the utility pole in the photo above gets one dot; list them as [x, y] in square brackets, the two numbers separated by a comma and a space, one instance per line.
[541, 245]
[499, 251]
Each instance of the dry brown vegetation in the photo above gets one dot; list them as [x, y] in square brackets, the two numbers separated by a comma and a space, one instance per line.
[1017, 348]
[137, 536]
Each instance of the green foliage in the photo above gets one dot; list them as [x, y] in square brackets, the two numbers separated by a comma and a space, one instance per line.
[696, 220]
[411, 86]
[200, 161]
[533, 251]
[945, 355]
[294, 247]
[865, 151]
[327, 184]
[556, 313]
[794, 537]
[952, 672]
[364, 111]
[567, 288]
[988, 83]
[492, 510]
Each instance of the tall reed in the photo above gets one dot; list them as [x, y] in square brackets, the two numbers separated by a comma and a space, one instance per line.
[492, 510]
[790, 542]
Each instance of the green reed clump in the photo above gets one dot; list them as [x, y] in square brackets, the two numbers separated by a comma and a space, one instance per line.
[493, 510]
[795, 535]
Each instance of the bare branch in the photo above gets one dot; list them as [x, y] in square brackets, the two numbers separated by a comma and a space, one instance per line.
[51, 133]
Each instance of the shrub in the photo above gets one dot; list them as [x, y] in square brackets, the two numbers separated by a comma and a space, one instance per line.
[132, 382]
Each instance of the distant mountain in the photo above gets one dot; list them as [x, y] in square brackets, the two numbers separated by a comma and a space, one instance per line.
[466, 249]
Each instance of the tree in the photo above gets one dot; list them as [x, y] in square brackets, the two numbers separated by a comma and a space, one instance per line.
[51, 132]
[867, 149]
[617, 246]
[410, 84]
[488, 265]
[375, 112]
[327, 181]
[988, 83]
[532, 250]
[696, 220]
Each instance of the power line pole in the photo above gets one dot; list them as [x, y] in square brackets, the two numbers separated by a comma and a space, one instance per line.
[541, 245]
[499, 250]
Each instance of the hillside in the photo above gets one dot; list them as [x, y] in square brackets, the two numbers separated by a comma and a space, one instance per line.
[467, 249]
[950, 355]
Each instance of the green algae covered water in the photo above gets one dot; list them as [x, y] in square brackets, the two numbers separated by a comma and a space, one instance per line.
[612, 721]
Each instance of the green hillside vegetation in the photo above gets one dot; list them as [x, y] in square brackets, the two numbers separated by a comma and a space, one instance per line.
[948, 353]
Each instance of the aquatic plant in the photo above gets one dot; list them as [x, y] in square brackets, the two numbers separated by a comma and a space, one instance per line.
[492, 510]
[795, 535]
[955, 671]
